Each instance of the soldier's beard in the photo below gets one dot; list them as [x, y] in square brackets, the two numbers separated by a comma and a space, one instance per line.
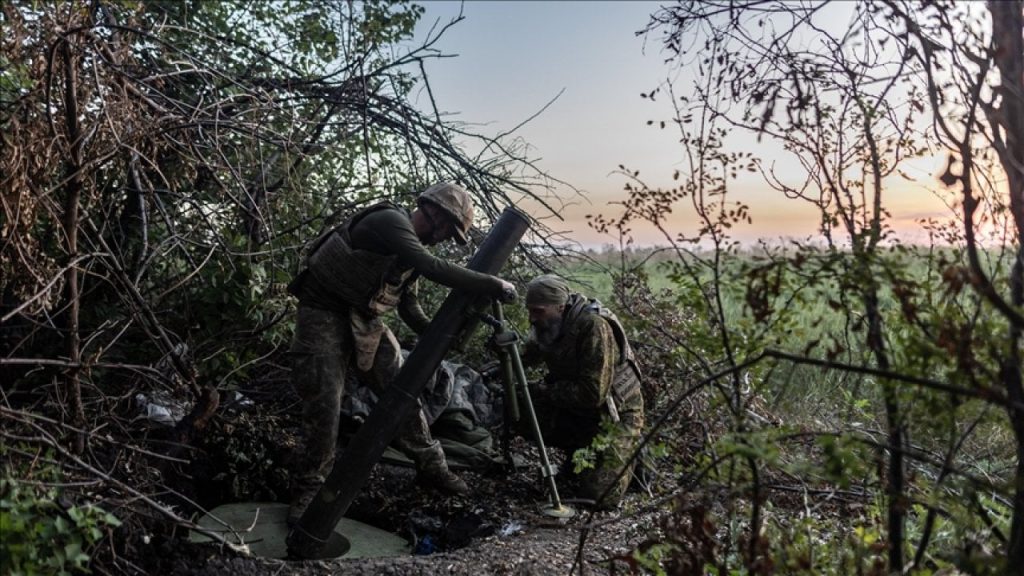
[545, 332]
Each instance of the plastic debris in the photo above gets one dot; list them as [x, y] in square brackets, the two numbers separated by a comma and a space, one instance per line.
[511, 528]
[424, 530]
[161, 409]
[238, 402]
[425, 546]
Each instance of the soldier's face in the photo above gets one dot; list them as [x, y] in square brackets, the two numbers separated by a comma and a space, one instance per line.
[432, 226]
[546, 322]
[441, 225]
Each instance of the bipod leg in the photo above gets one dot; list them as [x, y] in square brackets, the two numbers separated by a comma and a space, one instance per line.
[511, 349]
[511, 406]
[507, 376]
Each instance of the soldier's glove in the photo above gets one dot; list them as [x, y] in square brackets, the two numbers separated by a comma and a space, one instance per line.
[508, 292]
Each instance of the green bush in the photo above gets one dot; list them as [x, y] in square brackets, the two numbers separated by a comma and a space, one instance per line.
[39, 536]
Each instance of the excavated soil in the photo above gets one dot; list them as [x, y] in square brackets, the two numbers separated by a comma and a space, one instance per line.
[496, 529]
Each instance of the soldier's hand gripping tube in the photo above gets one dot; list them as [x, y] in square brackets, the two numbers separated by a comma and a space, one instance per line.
[508, 296]
[352, 467]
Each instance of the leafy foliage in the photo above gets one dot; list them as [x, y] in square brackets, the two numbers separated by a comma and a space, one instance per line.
[43, 532]
[163, 165]
[847, 365]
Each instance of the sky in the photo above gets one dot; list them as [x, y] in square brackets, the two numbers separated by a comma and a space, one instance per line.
[510, 59]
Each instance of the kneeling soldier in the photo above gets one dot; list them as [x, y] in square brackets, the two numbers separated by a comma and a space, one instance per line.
[592, 386]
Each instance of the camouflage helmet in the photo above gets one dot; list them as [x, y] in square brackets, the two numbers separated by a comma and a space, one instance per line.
[455, 202]
[547, 290]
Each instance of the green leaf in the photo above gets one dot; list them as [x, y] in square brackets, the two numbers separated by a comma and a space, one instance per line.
[61, 525]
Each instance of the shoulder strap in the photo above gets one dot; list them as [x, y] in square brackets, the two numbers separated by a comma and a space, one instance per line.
[594, 306]
[348, 222]
[619, 331]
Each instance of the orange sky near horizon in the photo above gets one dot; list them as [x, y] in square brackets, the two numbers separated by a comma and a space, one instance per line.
[775, 217]
[580, 87]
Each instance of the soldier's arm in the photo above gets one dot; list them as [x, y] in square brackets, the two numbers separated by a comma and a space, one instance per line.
[410, 311]
[595, 353]
[395, 235]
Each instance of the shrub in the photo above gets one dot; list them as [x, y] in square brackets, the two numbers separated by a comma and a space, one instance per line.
[42, 533]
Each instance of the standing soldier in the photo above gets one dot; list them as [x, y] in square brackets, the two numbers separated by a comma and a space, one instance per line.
[355, 273]
[592, 386]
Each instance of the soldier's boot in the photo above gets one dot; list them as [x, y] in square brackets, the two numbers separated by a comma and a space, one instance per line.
[442, 480]
[431, 467]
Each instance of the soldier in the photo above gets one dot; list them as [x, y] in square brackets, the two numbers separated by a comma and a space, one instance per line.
[354, 274]
[592, 387]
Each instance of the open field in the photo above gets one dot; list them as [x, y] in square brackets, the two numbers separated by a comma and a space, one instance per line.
[818, 320]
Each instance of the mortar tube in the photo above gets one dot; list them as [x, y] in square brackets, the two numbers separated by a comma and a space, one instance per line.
[352, 468]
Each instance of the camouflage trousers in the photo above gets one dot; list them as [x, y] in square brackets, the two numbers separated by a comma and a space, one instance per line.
[322, 352]
[572, 430]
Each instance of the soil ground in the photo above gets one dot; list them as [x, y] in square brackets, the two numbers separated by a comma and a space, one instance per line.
[496, 529]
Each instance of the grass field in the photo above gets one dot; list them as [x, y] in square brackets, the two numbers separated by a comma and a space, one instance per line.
[822, 317]
[827, 426]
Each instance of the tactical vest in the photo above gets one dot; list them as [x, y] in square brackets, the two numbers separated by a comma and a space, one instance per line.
[370, 282]
[561, 360]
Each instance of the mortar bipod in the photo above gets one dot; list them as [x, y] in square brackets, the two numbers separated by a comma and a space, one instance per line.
[505, 342]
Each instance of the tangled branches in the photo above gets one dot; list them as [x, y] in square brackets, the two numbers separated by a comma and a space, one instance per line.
[162, 165]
